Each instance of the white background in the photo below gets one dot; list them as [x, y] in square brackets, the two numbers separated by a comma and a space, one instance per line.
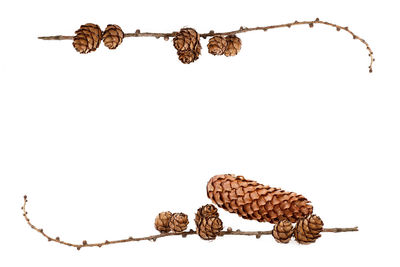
[102, 142]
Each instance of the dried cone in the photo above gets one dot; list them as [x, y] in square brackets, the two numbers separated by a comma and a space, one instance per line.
[161, 222]
[307, 230]
[206, 211]
[178, 222]
[255, 201]
[209, 228]
[187, 43]
[283, 231]
[113, 36]
[234, 44]
[217, 45]
[87, 38]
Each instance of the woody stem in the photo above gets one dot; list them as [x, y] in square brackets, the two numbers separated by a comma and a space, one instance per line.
[84, 243]
[211, 33]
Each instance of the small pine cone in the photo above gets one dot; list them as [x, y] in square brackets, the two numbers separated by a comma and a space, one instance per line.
[254, 201]
[178, 222]
[187, 57]
[161, 222]
[206, 211]
[283, 231]
[186, 39]
[187, 43]
[307, 230]
[217, 45]
[234, 45]
[209, 228]
[113, 36]
[87, 38]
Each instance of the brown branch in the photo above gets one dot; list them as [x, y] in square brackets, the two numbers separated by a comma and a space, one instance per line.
[229, 231]
[311, 23]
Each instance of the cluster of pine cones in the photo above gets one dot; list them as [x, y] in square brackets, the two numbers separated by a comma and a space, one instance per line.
[250, 200]
[167, 221]
[88, 37]
[187, 42]
[208, 226]
[208, 223]
[306, 231]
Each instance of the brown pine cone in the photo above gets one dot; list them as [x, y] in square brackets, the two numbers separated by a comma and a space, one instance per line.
[307, 230]
[113, 36]
[209, 228]
[217, 45]
[205, 211]
[283, 231]
[178, 222]
[161, 222]
[187, 57]
[234, 44]
[187, 43]
[255, 201]
[87, 38]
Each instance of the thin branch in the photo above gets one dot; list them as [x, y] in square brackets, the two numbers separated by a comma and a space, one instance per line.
[242, 29]
[229, 231]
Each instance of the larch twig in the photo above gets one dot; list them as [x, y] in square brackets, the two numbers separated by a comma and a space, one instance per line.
[242, 29]
[84, 243]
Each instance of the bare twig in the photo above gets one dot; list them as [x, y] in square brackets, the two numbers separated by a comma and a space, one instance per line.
[229, 231]
[211, 33]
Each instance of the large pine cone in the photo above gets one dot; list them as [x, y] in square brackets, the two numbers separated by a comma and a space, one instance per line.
[255, 201]
[283, 231]
[217, 45]
[87, 38]
[178, 222]
[308, 229]
[234, 44]
[161, 222]
[113, 36]
[187, 43]
[206, 211]
[210, 228]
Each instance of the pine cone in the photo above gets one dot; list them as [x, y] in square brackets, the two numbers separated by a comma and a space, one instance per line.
[187, 43]
[217, 45]
[209, 228]
[161, 222]
[307, 230]
[87, 38]
[283, 231]
[234, 44]
[206, 211]
[187, 57]
[178, 222]
[113, 36]
[255, 201]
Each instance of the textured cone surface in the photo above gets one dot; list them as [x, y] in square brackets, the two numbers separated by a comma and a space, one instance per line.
[209, 228]
[113, 36]
[283, 231]
[187, 43]
[234, 44]
[308, 229]
[87, 38]
[161, 222]
[217, 45]
[254, 201]
[206, 211]
[178, 222]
